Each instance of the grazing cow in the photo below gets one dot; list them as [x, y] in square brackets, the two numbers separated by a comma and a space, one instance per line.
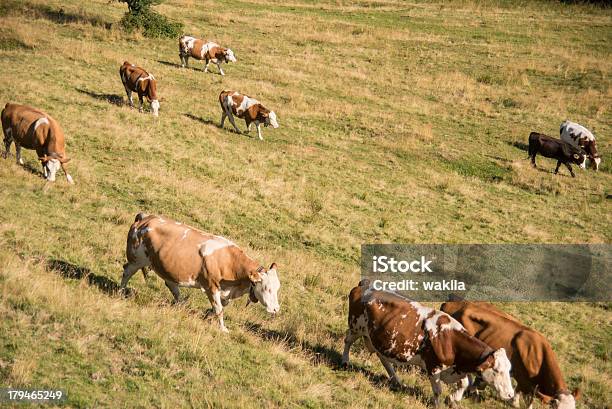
[204, 50]
[31, 128]
[580, 137]
[138, 80]
[407, 333]
[534, 364]
[234, 103]
[556, 149]
[184, 256]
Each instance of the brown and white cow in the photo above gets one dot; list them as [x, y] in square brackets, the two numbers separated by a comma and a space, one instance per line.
[580, 137]
[250, 109]
[404, 332]
[31, 128]
[144, 84]
[534, 364]
[184, 256]
[204, 50]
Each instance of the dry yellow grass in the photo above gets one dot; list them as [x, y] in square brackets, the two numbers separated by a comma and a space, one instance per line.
[400, 122]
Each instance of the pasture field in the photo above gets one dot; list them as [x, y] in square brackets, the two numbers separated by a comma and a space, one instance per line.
[400, 122]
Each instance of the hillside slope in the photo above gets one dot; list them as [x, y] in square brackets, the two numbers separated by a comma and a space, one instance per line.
[400, 122]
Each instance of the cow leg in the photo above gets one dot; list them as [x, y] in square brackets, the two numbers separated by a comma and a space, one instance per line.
[128, 92]
[457, 395]
[223, 115]
[18, 153]
[259, 132]
[182, 57]
[215, 300]
[68, 177]
[390, 370]
[436, 386]
[529, 397]
[568, 166]
[557, 168]
[206, 65]
[8, 140]
[174, 289]
[533, 162]
[128, 271]
[231, 119]
[220, 69]
[186, 61]
[349, 339]
[44, 171]
[140, 102]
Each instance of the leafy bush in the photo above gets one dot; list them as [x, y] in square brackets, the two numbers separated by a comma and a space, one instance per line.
[140, 16]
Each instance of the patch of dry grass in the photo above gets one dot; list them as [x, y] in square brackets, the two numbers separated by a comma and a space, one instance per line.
[399, 122]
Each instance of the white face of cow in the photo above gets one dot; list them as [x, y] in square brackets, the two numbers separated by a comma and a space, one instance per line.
[266, 290]
[229, 54]
[272, 119]
[52, 166]
[564, 401]
[584, 159]
[155, 107]
[499, 375]
[595, 163]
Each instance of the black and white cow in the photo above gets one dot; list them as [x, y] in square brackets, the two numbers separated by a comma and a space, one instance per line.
[580, 137]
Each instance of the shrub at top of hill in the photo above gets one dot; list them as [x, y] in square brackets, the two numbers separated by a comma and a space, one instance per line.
[141, 16]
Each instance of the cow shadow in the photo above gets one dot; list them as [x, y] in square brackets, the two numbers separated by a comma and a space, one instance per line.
[74, 272]
[29, 167]
[201, 120]
[323, 355]
[175, 65]
[110, 98]
[519, 145]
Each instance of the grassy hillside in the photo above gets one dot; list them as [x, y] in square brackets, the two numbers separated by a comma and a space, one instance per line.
[400, 122]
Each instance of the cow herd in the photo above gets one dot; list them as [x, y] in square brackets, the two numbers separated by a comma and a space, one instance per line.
[465, 344]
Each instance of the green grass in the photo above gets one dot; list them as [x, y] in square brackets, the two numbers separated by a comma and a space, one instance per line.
[400, 122]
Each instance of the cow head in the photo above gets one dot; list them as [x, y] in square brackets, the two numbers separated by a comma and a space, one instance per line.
[270, 119]
[579, 157]
[594, 162]
[51, 164]
[229, 55]
[591, 149]
[264, 288]
[564, 400]
[155, 107]
[495, 371]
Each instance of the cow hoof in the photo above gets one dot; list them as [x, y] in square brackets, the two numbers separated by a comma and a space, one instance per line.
[225, 330]
[344, 365]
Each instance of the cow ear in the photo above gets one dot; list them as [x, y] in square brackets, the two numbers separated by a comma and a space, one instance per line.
[272, 266]
[254, 276]
[487, 364]
[530, 351]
